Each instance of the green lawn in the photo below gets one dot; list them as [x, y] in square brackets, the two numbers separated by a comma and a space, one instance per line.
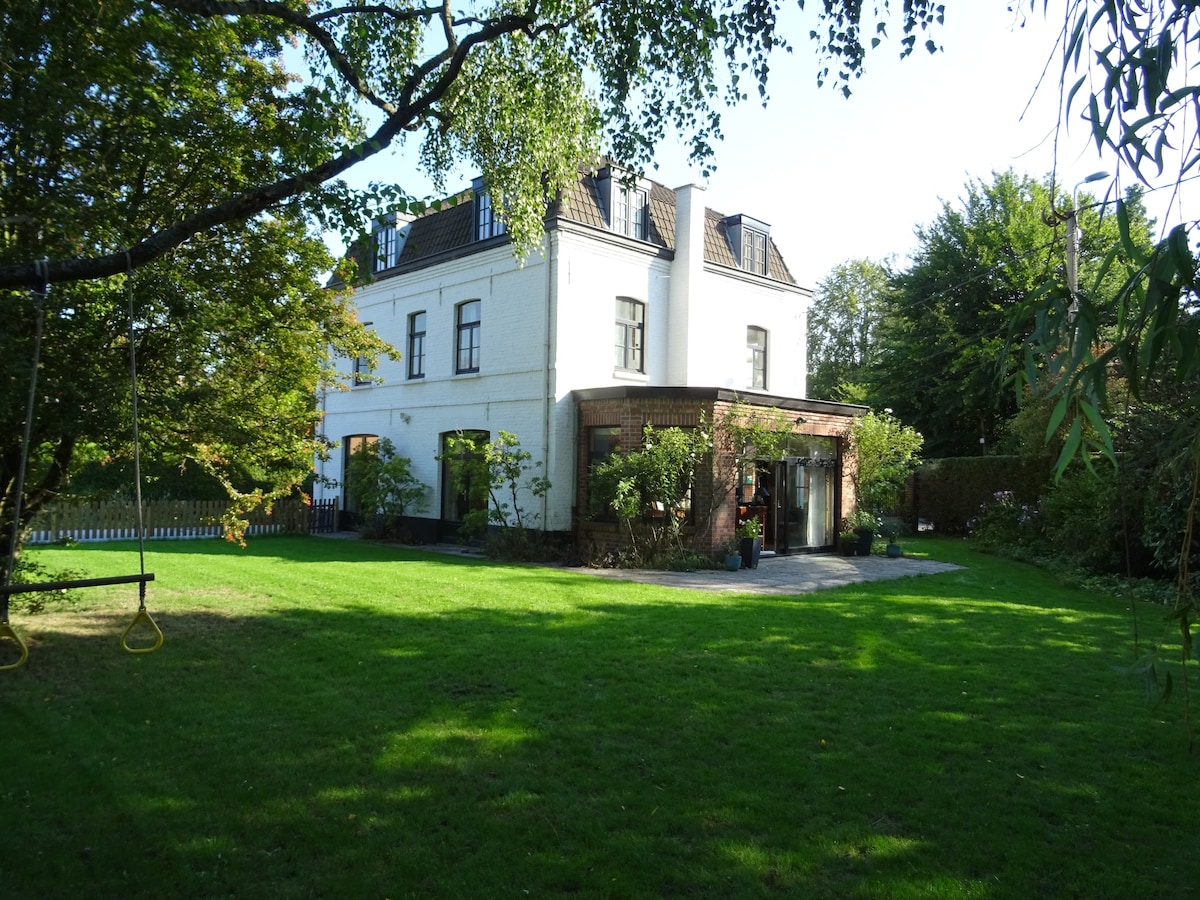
[334, 719]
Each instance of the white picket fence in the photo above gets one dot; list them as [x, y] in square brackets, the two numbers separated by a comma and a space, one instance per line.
[164, 520]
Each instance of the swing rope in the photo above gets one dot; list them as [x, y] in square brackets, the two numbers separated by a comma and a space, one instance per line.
[6, 630]
[143, 617]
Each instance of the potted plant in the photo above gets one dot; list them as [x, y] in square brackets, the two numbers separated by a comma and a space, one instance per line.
[749, 542]
[733, 557]
[890, 525]
[864, 526]
[848, 543]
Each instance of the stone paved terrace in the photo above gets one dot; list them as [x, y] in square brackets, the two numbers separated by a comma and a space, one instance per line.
[795, 574]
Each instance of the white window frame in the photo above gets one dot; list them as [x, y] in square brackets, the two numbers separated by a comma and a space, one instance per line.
[758, 356]
[631, 207]
[630, 336]
[754, 251]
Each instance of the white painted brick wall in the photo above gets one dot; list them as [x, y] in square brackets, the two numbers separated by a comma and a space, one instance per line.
[585, 275]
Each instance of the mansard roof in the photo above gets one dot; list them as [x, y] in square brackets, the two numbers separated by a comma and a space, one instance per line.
[450, 230]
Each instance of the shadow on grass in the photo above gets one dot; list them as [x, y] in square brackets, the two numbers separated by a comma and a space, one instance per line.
[293, 548]
[632, 743]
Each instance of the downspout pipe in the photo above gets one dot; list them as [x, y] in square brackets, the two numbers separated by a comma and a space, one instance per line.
[547, 383]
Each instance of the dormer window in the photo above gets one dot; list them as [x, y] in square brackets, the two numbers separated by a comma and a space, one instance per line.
[748, 237]
[629, 211]
[488, 221]
[387, 241]
[754, 251]
[626, 205]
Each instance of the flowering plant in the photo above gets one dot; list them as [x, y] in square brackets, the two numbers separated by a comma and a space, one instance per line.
[861, 520]
[1005, 521]
[749, 528]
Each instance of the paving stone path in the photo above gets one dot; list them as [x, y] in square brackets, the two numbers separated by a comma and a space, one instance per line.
[795, 574]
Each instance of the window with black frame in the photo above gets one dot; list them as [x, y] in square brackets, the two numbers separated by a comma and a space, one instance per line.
[469, 336]
[362, 366]
[488, 222]
[416, 345]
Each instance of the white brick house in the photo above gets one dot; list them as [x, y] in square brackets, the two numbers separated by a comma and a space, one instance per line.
[639, 297]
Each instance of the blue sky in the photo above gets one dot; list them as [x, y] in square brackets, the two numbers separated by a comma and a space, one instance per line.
[840, 178]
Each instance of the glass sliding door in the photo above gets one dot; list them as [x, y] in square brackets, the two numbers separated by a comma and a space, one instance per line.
[809, 503]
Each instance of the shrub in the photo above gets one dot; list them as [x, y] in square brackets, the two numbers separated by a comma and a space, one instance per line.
[950, 492]
[686, 561]
[508, 474]
[1080, 519]
[29, 572]
[885, 454]
[650, 489]
[383, 486]
[1005, 522]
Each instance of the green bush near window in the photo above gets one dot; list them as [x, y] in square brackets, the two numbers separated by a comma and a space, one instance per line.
[384, 488]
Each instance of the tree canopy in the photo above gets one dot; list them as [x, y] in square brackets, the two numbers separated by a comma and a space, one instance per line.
[235, 340]
[885, 453]
[128, 126]
[843, 325]
[1127, 71]
[188, 151]
[948, 333]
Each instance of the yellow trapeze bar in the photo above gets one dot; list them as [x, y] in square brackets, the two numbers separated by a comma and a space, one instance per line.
[7, 634]
[142, 618]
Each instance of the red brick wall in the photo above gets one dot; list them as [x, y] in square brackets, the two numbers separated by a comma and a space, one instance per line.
[714, 521]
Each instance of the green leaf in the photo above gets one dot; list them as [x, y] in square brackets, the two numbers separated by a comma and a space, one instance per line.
[1057, 415]
[1070, 447]
[1105, 436]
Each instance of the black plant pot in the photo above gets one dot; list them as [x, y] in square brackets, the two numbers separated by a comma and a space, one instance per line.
[750, 549]
[865, 536]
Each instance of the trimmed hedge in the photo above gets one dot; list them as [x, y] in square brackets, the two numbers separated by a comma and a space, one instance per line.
[948, 492]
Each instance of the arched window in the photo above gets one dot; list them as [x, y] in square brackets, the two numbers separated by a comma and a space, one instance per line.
[464, 473]
[352, 444]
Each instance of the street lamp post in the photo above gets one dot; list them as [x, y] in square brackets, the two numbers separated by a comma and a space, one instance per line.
[1073, 241]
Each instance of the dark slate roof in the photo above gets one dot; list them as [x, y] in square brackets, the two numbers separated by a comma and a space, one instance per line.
[581, 203]
[717, 246]
[436, 231]
[451, 228]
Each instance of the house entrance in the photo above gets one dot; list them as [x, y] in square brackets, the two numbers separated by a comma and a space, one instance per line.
[796, 498]
[351, 515]
[464, 479]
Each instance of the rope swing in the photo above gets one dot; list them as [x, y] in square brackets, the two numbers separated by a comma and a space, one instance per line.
[141, 621]
[150, 637]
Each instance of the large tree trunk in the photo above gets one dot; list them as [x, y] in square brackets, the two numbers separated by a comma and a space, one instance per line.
[41, 487]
